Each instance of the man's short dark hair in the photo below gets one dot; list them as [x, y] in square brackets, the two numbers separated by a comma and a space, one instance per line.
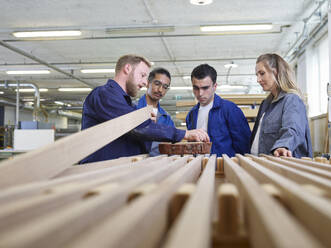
[158, 70]
[204, 70]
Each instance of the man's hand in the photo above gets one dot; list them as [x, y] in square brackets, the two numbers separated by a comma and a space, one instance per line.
[199, 135]
[282, 152]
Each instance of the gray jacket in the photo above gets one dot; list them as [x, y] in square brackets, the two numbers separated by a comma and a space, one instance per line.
[284, 124]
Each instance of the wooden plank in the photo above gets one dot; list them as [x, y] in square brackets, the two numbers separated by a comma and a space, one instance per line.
[295, 175]
[178, 201]
[195, 219]
[83, 215]
[270, 225]
[31, 189]
[147, 216]
[228, 213]
[313, 212]
[77, 169]
[26, 209]
[298, 166]
[310, 163]
[51, 159]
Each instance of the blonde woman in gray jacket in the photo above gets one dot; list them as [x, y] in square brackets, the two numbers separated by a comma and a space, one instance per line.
[281, 126]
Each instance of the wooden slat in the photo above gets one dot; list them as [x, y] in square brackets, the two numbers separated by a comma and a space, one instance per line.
[77, 169]
[145, 220]
[310, 163]
[269, 224]
[52, 159]
[25, 209]
[297, 165]
[301, 177]
[228, 213]
[31, 189]
[195, 219]
[313, 211]
[81, 215]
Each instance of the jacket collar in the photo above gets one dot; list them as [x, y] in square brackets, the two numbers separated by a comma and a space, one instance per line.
[217, 103]
[115, 86]
[270, 98]
[143, 103]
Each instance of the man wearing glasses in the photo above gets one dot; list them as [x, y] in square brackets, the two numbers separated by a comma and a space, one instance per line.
[157, 86]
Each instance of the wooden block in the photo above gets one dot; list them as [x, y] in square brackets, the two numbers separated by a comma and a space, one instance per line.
[204, 162]
[228, 209]
[275, 193]
[178, 200]
[220, 165]
[185, 148]
[307, 158]
[142, 190]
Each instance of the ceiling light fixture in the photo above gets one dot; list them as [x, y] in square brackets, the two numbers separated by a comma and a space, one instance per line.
[186, 77]
[1, 92]
[201, 2]
[74, 89]
[58, 103]
[30, 72]
[35, 34]
[32, 90]
[97, 70]
[237, 28]
[230, 65]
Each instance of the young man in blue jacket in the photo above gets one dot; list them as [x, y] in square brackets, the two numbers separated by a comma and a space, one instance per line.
[225, 123]
[113, 99]
[157, 86]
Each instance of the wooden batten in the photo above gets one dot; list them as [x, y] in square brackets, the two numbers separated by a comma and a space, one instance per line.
[196, 220]
[310, 163]
[311, 210]
[50, 160]
[269, 224]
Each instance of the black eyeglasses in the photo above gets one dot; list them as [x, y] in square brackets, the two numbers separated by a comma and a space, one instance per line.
[159, 84]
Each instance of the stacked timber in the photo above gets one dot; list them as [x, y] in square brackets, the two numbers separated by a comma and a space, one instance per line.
[163, 201]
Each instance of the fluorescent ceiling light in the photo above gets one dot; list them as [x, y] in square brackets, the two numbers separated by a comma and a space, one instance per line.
[74, 89]
[97, 70]
[28, 72]
[183, 124]
[237, 27]
[201, 2]
[32, 90]
[186, 77]
[34, 34]
[1, 92]
[32, 100]
[58, 103]
[232, 65]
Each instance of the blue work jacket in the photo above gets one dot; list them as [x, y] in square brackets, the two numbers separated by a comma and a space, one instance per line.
[284, 124]
[227, 127]
[162, 118]
[110, 101]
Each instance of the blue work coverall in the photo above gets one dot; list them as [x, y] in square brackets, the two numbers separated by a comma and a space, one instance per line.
[110, 101]
[228, 129]
[162, 118]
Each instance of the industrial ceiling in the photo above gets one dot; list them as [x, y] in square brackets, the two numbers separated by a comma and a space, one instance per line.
[166, 32]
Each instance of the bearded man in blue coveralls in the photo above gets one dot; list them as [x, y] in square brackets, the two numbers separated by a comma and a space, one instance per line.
[113, 99]
[157, 86]
[224, 121]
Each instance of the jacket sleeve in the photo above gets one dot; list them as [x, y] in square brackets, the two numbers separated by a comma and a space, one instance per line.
[292, 131]
[239, 129]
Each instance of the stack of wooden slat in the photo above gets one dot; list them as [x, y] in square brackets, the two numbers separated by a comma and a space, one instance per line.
[140, 201]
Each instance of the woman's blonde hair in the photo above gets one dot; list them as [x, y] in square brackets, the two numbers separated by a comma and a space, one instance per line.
[284, 75]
